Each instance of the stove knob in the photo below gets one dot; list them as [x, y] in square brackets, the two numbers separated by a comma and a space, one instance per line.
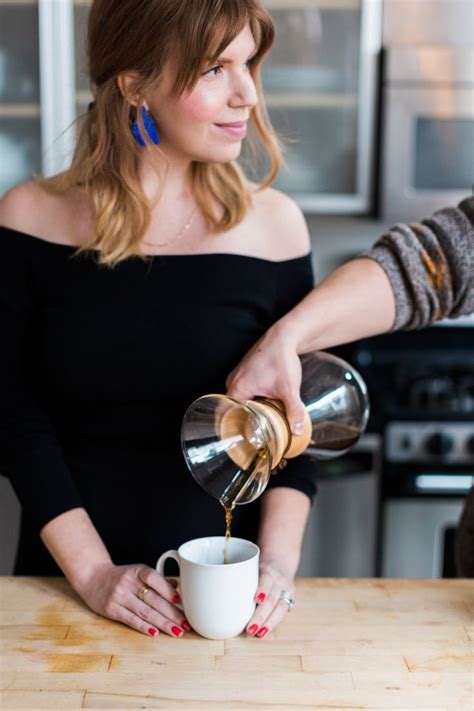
[405, 443]
[439, 443]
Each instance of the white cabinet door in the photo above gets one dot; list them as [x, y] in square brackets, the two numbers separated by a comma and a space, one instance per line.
[320, 86]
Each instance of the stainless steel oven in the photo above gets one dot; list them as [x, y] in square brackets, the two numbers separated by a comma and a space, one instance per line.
[421, 387]
[427, 130]
[427, 102]
[428, 470]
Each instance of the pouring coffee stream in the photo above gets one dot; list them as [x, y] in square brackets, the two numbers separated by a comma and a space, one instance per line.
[232, 447]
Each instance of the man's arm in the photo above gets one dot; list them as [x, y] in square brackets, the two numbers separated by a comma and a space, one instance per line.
[430, 266]
[411, 277]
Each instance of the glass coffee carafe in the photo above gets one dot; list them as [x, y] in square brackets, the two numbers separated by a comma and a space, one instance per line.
[232, 447]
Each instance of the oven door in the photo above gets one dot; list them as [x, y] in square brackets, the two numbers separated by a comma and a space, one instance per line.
[420, 512]
[428, 132]
[418, 537]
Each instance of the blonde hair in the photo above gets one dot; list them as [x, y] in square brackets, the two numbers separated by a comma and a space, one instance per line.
[128, 35]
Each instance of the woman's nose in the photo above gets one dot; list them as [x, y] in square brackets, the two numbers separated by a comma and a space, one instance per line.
[245, 92]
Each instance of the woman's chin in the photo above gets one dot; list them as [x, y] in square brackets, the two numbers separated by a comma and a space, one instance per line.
[231, 152]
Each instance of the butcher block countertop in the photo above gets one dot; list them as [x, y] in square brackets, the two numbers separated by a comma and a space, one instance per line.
[348, 644]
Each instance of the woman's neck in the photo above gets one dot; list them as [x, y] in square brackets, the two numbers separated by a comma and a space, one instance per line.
[174, 189]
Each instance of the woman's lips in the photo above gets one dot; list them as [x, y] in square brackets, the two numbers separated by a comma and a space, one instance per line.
[237, 129]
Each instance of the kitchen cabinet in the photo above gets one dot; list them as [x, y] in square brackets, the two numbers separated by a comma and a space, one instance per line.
[36, 88]
[20, 125]
[319, 81]
[320, 87]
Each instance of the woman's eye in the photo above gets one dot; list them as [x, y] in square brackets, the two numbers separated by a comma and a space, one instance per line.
[213, 69]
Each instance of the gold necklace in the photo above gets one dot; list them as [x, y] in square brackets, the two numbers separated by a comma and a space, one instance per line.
[185, 229]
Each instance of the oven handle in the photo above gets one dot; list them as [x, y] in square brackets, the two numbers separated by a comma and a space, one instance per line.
[444, 483]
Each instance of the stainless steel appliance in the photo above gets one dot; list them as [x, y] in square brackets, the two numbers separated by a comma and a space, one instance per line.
[421, 386]
[446, 23]
[427, 129]
[427, 126]
[422, 503]
[341, 534]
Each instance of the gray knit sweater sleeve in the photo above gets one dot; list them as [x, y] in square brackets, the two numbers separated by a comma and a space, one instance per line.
[430, 266]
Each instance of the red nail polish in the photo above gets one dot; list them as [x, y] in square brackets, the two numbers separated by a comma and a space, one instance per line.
[152, 631]
[185, 625]
[176, 631]
[176, 598]
[252, 629]
[262, 632]
[261, 597]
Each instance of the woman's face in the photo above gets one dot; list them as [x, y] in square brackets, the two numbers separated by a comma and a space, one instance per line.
[189, 126]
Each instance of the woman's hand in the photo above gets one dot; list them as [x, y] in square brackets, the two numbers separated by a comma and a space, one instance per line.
[271, 369]
[111, 590]
[270, 610]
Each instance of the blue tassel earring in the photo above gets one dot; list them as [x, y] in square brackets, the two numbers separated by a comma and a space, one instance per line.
[150, 128]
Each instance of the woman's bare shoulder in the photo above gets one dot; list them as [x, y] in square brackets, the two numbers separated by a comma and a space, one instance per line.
[28, 207]
[281, 223]
[19, 208]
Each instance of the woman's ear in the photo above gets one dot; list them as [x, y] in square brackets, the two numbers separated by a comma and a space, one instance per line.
[126, 82]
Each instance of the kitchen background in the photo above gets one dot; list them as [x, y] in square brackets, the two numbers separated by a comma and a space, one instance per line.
[376, 101]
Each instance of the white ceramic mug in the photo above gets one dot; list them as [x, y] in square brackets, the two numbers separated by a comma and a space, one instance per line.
[218, 600]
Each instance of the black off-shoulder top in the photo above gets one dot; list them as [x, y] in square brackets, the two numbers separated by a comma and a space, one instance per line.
[98, 366]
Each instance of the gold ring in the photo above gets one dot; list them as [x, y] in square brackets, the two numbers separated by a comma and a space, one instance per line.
[142, 592]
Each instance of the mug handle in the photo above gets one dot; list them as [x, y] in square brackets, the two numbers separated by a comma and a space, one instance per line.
[160, 567]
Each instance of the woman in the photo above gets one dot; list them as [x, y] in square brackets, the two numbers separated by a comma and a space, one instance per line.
[132, 283]
[414, 275]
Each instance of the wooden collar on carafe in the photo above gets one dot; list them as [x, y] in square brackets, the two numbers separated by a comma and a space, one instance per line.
[283, 444]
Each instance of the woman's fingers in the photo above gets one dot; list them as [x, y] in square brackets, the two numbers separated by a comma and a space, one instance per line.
[155, 612]
[271, 609]
[152, 579]
[265, 583]
[115, 594]
[267, 616]
[156, 602]
[279, 611]
[129, 618]
[153, 617]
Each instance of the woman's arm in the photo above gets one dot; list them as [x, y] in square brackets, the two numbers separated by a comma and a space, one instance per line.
[284, 512]
[31, 456]
[283, 517]
[109, 589]
[77, 548]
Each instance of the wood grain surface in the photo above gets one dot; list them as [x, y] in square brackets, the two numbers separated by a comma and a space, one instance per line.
[348, 644]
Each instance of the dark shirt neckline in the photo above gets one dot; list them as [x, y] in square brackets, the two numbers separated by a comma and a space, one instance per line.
[72, 247]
